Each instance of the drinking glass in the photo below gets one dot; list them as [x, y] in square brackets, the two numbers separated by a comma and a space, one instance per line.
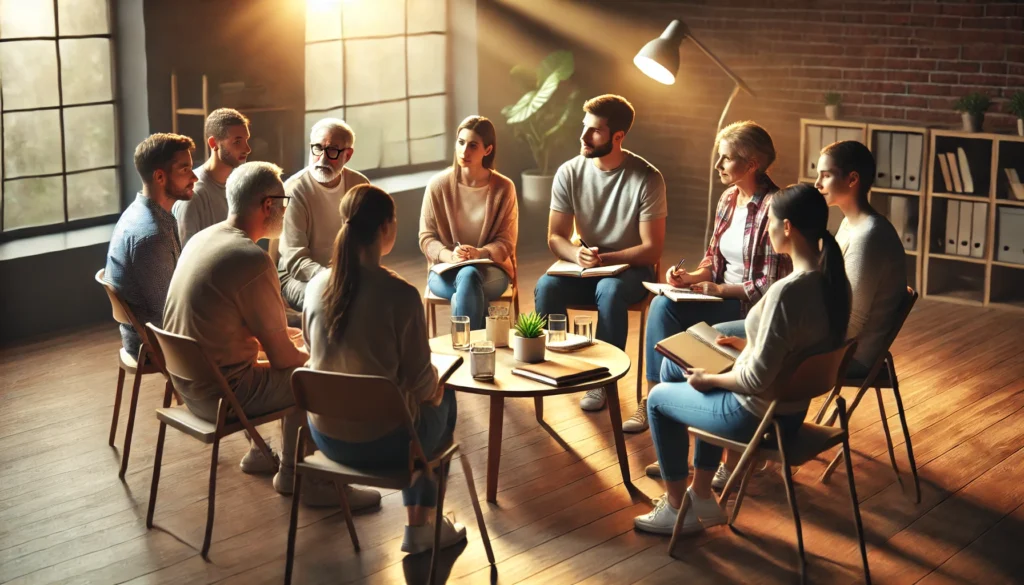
[557, 325]
[481, 360]
[584, 325]
[460, 332]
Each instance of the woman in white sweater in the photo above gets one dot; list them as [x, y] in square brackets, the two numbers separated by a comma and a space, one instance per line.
[361, 318]
[807, 311]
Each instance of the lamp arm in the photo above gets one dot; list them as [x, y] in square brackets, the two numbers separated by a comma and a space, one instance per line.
[714, 151]
[735, 78]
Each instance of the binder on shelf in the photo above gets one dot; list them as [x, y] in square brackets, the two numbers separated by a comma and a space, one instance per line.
[965, 170]
[913, 221]
[900, 214]
[828, 135]
[963, 241]
[915, 152]
[1016, 188]
[1010, 245]
[813, 151]
[854, 134]
[952, 223]
[978, 225]
[883, 157]
[944, 164]
[954, 172]
[898, 166]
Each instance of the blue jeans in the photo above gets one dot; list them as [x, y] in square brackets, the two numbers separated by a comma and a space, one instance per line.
[612, 294]
[667, 318]
[434, 429]
[469, 289]
[673, 406]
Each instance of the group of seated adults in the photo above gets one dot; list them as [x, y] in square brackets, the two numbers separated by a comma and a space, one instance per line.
[184, 255]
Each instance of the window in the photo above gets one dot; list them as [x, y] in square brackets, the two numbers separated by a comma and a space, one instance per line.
[382, 66]
[57, 121]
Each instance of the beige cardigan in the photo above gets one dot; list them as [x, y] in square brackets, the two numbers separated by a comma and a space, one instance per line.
[501, 219]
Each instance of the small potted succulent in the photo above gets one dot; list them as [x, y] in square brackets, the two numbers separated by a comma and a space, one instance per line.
[1016, 106]
[972, 108]
[832, 101]
[529, 339]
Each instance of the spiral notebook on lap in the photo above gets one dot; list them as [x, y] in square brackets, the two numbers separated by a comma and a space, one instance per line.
[561, 371]
[678, 294]
[442, 267]
[563, 268]
[696, 348]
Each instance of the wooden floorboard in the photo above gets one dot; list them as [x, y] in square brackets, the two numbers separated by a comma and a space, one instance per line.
[562, 516]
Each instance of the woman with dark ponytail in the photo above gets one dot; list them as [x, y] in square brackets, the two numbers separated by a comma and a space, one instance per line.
[807, 311]
[361, 318]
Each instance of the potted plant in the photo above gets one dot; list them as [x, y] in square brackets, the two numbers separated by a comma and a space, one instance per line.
[1016, 106]
[972, 108]
[529, 339]
[832, 102]
[539, 117]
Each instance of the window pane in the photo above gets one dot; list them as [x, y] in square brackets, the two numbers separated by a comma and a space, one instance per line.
[31, 143]
[29, 73]
[427, 116]
[83, 17]
[32, 202]
[324, 87]
[21, 18]
[426, 64]
[323, 20]
[427, 16]
[380, 135]
[366, 18]
[92, 194]
[85, 70]
[90, 137]
[427, 150]
[375, 70]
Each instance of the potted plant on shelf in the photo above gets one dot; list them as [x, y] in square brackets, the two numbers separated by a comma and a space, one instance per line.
[972, 108]
[1016, 106]
[832, 102]
[529, 339]
[539, 117]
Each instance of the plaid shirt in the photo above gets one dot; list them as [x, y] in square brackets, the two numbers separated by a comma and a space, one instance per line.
[762, 266]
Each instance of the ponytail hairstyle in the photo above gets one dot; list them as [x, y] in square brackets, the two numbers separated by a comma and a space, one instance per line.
[752, 142]
[364, 210]
[851, 156]
[484, 128]
[807, 212]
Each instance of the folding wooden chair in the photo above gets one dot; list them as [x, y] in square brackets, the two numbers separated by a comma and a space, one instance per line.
[183, 358]
[137, 366]
[510, 296]
[815, 376]
[369, 399]
[882, 375]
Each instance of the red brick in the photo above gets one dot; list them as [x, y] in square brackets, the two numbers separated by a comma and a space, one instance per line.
[959, 66]
[874, 99]
[1015, 55]
[1000, 10]
[931, 116]
[944, 78]
[939, 52]
[993, 80]
[942, 103]
[983, 53]
[963, 9]
[928, 89]
[926, 8]
[910, 52]
[907, 76]
[947, 22]
[921, 64]
[997, 68]
[991, 23]
[907, 101]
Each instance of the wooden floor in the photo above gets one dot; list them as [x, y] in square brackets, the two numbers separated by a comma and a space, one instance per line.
[563, 515]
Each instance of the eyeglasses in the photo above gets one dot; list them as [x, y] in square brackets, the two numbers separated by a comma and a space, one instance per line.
[332, 153]
[284, 199]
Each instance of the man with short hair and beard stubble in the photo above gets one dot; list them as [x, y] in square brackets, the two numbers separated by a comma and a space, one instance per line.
[225, 295]
[312, 220]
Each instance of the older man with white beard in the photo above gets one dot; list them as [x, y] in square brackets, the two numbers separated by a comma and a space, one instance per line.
[225, 295]
[312, 220]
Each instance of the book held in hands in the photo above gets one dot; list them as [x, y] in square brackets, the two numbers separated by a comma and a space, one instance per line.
[696, 348]
[678, 294]
[442, 267]
[564, 268]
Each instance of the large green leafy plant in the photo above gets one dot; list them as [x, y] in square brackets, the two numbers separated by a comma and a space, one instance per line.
[541, 114]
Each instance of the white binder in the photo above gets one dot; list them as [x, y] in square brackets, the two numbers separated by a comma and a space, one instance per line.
[899, 160]
[910, 229]
[883, 159]
[965, 171]
[813, 152]
[915, 152]
[898, 215]
[952, 222]
[1010, 245]
[854, 134]
[979, 223]
[963, 241]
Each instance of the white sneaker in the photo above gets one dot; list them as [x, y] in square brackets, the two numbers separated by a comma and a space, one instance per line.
[594, 400]
[638, 422]
[721, 478]
[701, 514]
[320, 493]
[256, 463]
[421, 538]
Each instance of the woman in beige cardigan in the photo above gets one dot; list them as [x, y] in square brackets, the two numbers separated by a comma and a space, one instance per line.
[470, 212]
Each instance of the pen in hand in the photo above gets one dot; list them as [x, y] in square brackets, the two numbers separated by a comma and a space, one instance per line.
[679, 265]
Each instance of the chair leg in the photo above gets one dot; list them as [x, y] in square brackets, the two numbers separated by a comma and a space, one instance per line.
[824, 405]
[433, 320]
[906, 431]
[156, 473]
[475, 499]
[347, 509]
[740, 494]
[888, 438]
[211, 500]
[791, 496]
[640, 358]
[827, 474]
[293, 524]
[856, 511]
[442, 484]
[683, 507]
[133, 404]
[117, 405]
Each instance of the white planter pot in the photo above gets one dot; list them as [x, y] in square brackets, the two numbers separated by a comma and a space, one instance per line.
[528, 349]
[972, 123]
[536, 189]
[832, 112]
[1020, 126]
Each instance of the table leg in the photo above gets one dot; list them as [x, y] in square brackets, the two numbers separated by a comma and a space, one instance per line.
[620, 441]
[538, 407]
[494, 446]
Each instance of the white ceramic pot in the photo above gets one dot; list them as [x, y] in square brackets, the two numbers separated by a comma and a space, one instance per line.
[1020, 126]
[832, 112]
[972, 122]
[528, 349]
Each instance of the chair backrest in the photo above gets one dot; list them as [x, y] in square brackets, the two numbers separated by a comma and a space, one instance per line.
[901, 317]
[815, 375]
[122, 312]
[183, 358]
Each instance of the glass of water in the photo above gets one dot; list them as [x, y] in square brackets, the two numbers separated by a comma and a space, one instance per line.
[557, 325]
[584, 325]
[460, 332]
[481, 360]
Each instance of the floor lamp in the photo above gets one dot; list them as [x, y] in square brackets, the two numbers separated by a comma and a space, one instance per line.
[659, 60]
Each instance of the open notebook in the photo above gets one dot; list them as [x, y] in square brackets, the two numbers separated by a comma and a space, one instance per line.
[563, 268]
[696, 348]
[678, 294]
[445, 364]
[561, 371]
[442, 267]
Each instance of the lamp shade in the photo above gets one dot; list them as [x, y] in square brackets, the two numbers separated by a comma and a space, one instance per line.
[659, 59]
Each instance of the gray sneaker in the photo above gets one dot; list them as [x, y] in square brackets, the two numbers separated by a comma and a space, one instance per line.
[594, 400]
[721, 478]
[638, 422]
[256, 463]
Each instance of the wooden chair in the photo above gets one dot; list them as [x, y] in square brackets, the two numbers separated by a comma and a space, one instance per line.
[882, 375]
[182, 357]
[128, 364]
[815, 376]
[510, 296]
[369, 399]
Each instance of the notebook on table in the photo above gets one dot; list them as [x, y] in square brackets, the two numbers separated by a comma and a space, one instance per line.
[678, 294]
[561, 371]
[564, 268]
[696, 348]
[446, 365]
[442, 267]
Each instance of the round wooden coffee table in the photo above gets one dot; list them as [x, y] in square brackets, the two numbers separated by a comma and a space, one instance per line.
[508, 385]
